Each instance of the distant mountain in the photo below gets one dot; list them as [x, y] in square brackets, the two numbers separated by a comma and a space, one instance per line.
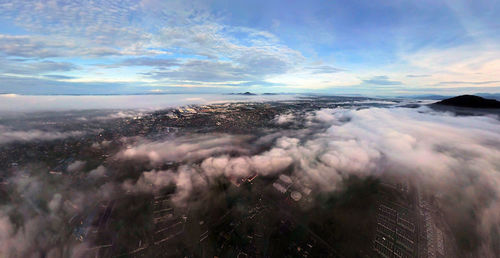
[245, 93]
[489, 95]
[441, 97]
[428, 96]
[470, 101]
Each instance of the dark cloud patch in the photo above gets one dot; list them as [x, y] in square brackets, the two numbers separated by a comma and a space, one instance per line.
[26, 85]
[26, 46]
[381, 80]
[256, 83]
[252, 66]
[324, 69]
[158, 63]
[262, 61]
[203, 71]
[418, 75]
[47, 47]
[59, 77]
[38, 67]
[468, 82]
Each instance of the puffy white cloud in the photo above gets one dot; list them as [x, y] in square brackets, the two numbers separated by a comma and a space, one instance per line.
[416, 142]
[186, 180]
[267, 163]
[98, 172]
[151, 181]
[42, 207]
[442, 151]
[455, 156]
[76, 166]
[7, 136]
[185, 149]
[271, 162]
[284, 118]
[452, 155]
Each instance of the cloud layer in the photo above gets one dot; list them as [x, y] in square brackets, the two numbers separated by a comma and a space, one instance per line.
[453, 158]
[443, 153]
[7, 135]
[180, 45]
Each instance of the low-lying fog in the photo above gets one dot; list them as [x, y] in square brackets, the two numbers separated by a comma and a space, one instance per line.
[38, 103]
[455, 156]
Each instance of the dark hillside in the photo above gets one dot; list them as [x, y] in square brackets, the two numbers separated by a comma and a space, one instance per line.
[470, 101]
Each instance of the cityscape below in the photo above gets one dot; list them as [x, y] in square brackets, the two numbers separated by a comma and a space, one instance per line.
[311, 176]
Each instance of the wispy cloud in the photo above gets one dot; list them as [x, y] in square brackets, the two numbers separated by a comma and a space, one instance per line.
[34, 67]
[469, 82]
[324, 69]
[417, 75]
[8, 136]
[176, 43]
[158, 63]
[381, 80]
[454, 156]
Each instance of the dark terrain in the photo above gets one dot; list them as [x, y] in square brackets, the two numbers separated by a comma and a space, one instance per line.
[470, 101]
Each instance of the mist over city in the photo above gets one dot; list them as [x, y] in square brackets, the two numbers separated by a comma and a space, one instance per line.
[249, 129]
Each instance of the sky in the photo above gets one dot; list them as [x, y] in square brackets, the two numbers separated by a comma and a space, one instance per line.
[331, 47]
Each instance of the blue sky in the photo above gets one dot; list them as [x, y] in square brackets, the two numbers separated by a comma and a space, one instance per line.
[335, 47]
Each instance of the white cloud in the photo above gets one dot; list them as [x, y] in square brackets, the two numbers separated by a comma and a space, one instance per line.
[440, 151]
[98, 172]
[284, 119]
[184, 149]
[455, 156]
[464, 66]
[76, 166]
[7, 136]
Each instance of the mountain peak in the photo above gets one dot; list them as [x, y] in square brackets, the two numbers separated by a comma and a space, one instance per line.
[470, 101]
